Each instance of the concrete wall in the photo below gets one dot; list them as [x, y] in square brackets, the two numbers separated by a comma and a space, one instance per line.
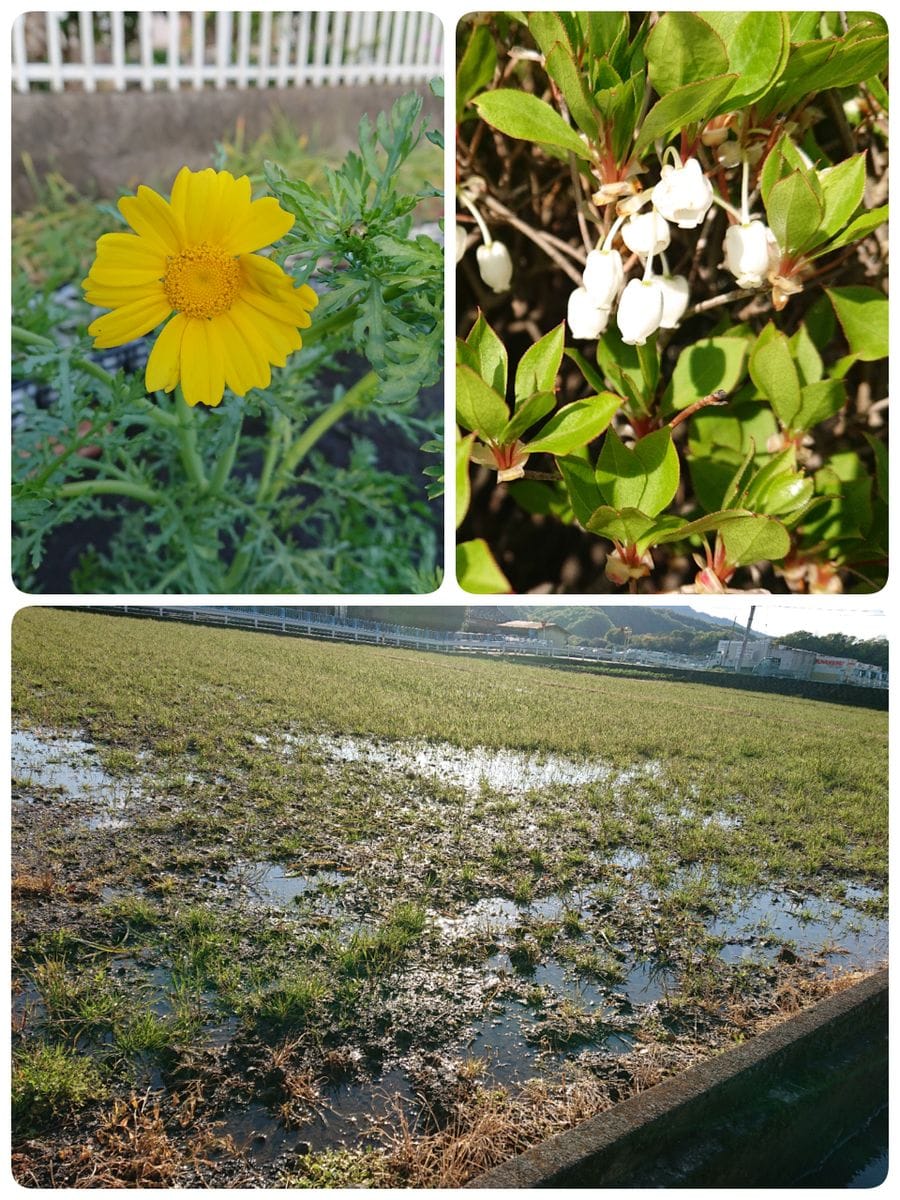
[105, 141]
[760, 1115]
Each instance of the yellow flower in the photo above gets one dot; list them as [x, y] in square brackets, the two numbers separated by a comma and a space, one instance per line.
[236, 312]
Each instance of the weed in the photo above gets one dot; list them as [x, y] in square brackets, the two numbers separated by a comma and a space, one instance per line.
[49, 1079]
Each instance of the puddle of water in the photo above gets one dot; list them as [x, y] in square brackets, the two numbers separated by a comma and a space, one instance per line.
[70, 764]
[274, 883]
[343, 1119]
[808, 922]
[509, 771]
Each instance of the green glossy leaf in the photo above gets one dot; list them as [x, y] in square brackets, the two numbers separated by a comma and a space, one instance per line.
[863, 314]
[539, 365]
[737, 427]
[858, 228]
[753, 539]
[773, 371]
[819, 401]
[527, 414]
[478, 407]
[843, 187]
[581, 485]
[830, 63]
[711, 479]
[576, 424]
[777, 488]
[476, 67]
[704, 367]
[682, 49]
[627, 525]
[758, 45]
[806, 356]
[477, 570]
[463, 485]
[488, 355]
[693, 102]
[605, 31]
[522, 115]
[707, 524]
[562, 69]
[645, 477]
[795, 211]
[548, 29]
[622, 365]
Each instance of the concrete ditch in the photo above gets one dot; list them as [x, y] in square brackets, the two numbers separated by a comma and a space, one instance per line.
[762, 1114]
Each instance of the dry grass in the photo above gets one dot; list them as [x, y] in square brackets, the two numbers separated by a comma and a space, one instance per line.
[488, 1128]
[26, 884]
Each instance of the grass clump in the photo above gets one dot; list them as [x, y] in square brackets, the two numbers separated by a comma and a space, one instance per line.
[50, 1079]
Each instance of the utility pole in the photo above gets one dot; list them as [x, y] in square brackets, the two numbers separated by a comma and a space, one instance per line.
[746, 635]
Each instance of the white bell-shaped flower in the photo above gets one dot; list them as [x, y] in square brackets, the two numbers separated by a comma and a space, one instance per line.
[495, 265]
[462, 235]
[603, 276]
[640, 311]
[587, 319]
[647, 233]
[683, 195]
[748, 252]
[676, 295]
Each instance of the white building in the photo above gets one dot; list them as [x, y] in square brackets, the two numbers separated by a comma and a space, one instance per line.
[765, 656]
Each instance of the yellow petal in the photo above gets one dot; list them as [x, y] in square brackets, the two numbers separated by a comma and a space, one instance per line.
[111, 276]
[105, 296]
[248, 363]
[164, 363]
[202, 365]
[129, 322]
[209, 202]
[272, 338]
[261, 224]
[152, 218]
[127, 250]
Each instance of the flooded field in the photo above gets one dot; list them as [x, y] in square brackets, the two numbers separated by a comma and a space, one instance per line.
[291, 914]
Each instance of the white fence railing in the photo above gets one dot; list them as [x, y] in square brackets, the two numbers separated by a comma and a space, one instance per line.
[112, 51]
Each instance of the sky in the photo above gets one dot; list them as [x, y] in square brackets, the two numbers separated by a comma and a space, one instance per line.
[778, 619]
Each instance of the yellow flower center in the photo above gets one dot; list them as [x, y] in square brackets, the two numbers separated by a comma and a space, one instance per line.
[201, 281]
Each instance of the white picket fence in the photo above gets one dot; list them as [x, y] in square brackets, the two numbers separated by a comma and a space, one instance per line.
[173, 50]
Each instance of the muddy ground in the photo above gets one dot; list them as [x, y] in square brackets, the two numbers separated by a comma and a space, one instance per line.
[324, 958]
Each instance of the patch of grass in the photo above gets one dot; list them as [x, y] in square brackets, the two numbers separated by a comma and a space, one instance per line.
[49, 1080]
[339, 1168]
[293, 1000]
[143, 1032]
[374, 952]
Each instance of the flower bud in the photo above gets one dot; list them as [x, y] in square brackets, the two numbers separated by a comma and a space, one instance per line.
[603, 276]
[462, 236]
[647, 233]
[623, 564]
[640, 311]
[729, 154]
[495, 265]
[676, 295]
[683, 195]
[587, 319]
[747, 253]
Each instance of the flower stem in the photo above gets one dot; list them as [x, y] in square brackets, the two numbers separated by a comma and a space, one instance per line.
[187, 443]
[26, 338]
[355, 397]
[109, 487]
[485, 232]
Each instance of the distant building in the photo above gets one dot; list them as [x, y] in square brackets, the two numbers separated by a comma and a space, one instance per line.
[542, 631]
[765, 656]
